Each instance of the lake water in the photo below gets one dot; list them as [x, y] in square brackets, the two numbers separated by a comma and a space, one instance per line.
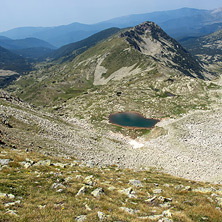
[132, 120]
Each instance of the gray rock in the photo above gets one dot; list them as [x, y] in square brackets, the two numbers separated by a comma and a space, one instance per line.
[26, 164]
[12, 212]
[219, 201]
[10, 196]
[101, 216]
[179, 187]
[187, 188]
[155, 217]
[90, 164]
[41, 206]
[43, 163]
[68, 179]
[12, 203]
[98, 192]
[60, 165]
[164, 199]
[59, 191]
[29, 160]
[82, 190]
[129, 192]
[81, 218]
[165, 205]
[167, 213]
[157, 191]
[204, 190]
[88, 208]
[129, 210]
[151, 200]
[165, 220]
[58, 185]
[136, 183]
[3, 195]
[90, 180]
[4, 162]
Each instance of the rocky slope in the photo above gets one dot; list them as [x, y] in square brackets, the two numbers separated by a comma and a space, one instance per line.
[188, 146]
[207, 48]
[150, 39]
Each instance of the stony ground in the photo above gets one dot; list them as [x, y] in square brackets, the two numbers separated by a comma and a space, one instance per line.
[189, 146]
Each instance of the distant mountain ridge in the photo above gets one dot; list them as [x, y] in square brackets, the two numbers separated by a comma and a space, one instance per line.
[70, 51]
[207, 48]
[12, 61]
[177, 23]
[14, 44]
[31, 48]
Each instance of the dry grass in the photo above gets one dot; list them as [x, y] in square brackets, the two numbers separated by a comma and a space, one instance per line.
[32, 186]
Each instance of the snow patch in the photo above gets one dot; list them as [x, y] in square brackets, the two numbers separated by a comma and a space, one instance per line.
[135, 144]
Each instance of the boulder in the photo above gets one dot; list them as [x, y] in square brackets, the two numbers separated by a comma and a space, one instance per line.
[101, 216]
[90, 180]
[98, 192]
[129, 192]
[82, 190]
[129, 210]
[81, 218]
[4, 162]
[136, 183]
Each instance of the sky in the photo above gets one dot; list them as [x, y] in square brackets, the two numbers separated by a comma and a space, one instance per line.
[21, 13]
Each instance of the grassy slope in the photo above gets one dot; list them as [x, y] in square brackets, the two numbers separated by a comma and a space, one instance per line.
[60, 82]
[33, 187]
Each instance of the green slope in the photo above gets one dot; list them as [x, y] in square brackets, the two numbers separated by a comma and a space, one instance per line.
[12, 61]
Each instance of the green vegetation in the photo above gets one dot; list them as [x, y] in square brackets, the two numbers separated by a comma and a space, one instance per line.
[14, 62]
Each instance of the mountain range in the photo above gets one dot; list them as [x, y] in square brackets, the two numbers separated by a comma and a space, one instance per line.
[70, 51]
[31, 48]
[61, 156]
[143, 50]
[177, 23]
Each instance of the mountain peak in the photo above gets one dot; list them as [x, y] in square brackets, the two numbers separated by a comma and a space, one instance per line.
[149, 39]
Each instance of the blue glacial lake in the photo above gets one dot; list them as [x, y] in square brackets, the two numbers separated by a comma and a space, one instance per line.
[132, 120]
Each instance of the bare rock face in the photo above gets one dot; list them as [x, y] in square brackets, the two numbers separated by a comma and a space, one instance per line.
[151, 40]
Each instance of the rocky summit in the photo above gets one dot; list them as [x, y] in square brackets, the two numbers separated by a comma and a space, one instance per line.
[150, 39]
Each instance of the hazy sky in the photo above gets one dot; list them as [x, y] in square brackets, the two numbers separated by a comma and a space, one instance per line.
[19, 13]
